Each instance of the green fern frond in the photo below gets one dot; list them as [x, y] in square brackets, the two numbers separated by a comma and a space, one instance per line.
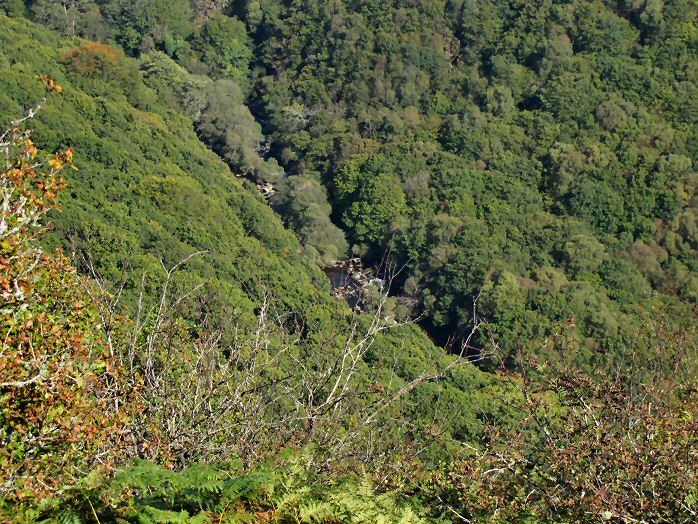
[283, 491]
[150, 515]
[204, 479]
[316, 512]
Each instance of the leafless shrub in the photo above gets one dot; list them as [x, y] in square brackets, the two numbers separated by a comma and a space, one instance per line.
[212, 393]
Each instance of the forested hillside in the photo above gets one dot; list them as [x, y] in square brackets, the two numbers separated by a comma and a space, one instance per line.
[148, 194]
[538, 155]
[519, 176]
[542, 152]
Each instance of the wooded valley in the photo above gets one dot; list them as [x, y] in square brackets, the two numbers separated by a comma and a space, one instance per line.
[516, 181]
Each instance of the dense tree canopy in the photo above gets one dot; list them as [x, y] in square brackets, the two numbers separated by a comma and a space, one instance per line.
[477, 139]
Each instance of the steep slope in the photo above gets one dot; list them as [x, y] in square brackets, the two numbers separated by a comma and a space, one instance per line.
[146, 188]
[148, 193]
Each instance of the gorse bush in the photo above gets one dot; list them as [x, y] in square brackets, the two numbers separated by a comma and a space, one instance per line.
[93, 59]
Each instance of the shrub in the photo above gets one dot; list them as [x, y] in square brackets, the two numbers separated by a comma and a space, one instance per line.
[57, 411]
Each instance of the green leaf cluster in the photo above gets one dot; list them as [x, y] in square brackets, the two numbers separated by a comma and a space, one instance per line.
[284, 491]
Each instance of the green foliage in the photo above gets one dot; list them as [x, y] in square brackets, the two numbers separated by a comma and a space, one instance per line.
[534, 124]
[70, 17]
[283, 491]
[531, 164]
[225, 47]
[227, 125]
[375, 201]
[13, 7]
[147, 188]
[472, 137]
[143, 25]
[303, 202]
